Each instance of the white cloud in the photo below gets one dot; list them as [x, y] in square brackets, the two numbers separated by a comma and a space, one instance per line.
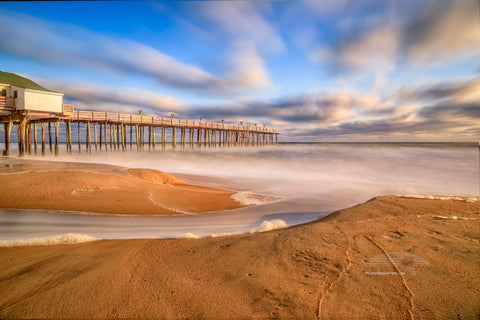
[88, 96]
[242, 20]
[452, 28]
[444, 111]
[438, 31]
[247, 68]
[71, 46]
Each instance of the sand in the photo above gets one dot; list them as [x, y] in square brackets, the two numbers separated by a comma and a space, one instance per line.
[388, 258]
[104, 189]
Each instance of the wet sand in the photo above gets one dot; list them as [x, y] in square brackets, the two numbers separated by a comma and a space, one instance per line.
[104, 189]
[388, 258]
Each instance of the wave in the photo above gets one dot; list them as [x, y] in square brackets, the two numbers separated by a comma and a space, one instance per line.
[270, 225]
[266, 225]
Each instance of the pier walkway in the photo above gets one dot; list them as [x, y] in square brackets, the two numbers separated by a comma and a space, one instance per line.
[115, 131]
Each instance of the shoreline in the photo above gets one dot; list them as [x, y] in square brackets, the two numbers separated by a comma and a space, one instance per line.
[267, 225]
[392, 257]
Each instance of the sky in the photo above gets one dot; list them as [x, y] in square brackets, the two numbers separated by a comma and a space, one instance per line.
[330, 70]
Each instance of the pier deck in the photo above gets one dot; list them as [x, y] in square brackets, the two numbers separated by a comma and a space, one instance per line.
[113, 127]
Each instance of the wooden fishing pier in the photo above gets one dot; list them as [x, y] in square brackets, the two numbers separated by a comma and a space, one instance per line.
[117, 131]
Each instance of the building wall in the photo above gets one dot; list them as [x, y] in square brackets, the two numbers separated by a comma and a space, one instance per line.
[36, 100]
[20, 99]
[43, 101]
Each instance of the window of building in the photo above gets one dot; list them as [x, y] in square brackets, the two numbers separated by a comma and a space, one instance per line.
[15, 94]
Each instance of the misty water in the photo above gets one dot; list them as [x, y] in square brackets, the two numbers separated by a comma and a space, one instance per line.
[305, 181]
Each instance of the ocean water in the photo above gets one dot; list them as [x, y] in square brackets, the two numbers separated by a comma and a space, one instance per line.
[297, 183]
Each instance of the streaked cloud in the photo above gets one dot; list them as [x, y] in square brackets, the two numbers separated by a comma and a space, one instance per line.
[426, 112]
[424, 33]
[241, 21]
[372, 50]
[459, 112]
[444, 29]
[247, 68]
[72, 46]
[457, 91]
[88, 96]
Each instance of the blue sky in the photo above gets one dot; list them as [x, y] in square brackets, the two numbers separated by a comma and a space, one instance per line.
[399, 70]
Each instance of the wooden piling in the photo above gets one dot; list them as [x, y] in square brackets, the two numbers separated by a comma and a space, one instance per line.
[137, 136]
[69, 137]
[105, 136]
[5, 150]
[50, 136]
[66, 136]
[79, 138]
[149, 137]
[111, 136]
[89, 140]
[131, 129]
[174, 134]
[43, 124]
[125, 135]
[100, 136]
[122, 126]
[35, 137]
[56, 136]
[29, 137]
[118, 136]
[114, 136]
[153, 135]
[19, 139]
[8, 130]
[23, 135]
[95, 134]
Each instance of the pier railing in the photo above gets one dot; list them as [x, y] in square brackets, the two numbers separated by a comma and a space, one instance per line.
[68, 109]
[113, 129]
[119, 118]
[7, 104]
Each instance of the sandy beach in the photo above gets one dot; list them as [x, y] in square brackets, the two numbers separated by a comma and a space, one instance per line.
[104, 189]
[389, 258]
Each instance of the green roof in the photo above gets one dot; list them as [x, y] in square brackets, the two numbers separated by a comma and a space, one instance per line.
[18, 81]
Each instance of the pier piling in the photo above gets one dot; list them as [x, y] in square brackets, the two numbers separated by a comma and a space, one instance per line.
[196, 133]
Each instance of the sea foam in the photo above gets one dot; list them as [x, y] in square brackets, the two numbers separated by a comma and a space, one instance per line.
[269, 225]
[248, 199]
[430, 197]
[69, 238]
[266, 225]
